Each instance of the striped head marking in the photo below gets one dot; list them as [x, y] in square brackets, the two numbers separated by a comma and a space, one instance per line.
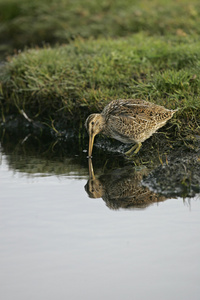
[94, 125]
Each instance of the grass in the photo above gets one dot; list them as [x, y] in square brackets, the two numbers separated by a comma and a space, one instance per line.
[29, 23]
[113, 49]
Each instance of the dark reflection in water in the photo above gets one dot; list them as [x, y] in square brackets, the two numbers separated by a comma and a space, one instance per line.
[119, 182]
[44, 155]
[179, 178]
[121, 188]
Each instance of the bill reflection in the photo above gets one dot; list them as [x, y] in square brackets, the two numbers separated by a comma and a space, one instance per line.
[121, 188]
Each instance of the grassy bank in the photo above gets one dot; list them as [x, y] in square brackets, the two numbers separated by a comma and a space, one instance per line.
[80, 78]
[28, 23]
[110, 50]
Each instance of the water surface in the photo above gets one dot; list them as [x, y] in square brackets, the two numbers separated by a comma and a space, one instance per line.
[59, 243]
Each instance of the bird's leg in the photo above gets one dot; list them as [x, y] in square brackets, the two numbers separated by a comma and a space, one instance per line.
[136, 147]
[131, 150]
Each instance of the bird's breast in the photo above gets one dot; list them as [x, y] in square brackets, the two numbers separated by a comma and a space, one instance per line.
[117, 135]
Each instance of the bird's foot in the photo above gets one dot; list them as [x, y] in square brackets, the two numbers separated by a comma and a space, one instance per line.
[136, 147]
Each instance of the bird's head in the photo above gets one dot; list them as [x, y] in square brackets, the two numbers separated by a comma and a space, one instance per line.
[94, 125]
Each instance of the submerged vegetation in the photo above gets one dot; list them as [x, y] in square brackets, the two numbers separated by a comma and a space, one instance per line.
[112, 50]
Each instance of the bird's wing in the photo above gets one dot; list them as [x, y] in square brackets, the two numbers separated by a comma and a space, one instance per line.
[130, 119]
[135, 110]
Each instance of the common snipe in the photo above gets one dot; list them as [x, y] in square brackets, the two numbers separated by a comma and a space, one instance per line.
[121, 187]
[129, 121]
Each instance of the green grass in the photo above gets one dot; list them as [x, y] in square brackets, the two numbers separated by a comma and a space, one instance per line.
[82, 77]
[110, 49]
[25, 22]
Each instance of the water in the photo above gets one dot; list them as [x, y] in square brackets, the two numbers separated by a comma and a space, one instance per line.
[58, 243]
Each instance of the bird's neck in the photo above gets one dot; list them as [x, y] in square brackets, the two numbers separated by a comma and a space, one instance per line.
[102, 121]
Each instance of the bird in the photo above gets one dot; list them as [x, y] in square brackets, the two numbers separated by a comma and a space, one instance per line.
[121, 187]
[128, 121]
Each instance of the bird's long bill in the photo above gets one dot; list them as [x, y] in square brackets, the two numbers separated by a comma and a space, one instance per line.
[91, 142]
[91, 171]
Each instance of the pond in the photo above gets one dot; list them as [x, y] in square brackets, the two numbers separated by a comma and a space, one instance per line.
[65, 235]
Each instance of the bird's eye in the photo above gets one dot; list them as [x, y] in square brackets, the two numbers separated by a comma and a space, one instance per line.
[92, 122]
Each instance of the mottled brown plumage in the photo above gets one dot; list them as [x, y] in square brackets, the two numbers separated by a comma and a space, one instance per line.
[121, 188]
[129, 121]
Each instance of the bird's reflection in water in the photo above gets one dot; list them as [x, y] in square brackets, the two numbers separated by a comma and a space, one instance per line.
[121, 188]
